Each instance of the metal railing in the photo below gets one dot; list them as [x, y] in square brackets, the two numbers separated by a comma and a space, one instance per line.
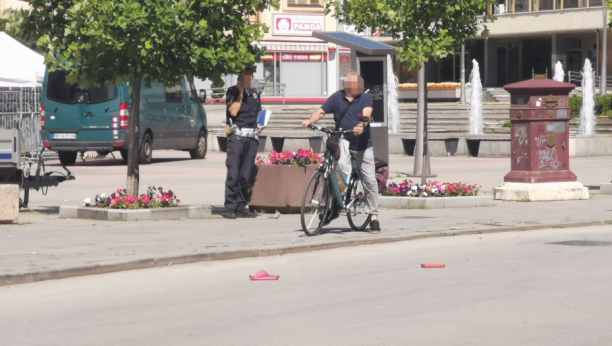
[20, 109]
[575, 77]
[274, 90]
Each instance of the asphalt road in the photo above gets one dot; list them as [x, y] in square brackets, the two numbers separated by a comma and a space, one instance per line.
[496, 289]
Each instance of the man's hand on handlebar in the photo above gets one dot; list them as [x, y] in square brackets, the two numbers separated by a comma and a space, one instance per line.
[358, 129]
[306, 123]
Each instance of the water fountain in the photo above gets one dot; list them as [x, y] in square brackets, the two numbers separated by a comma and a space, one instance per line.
[587, 112]
[392, 105]
[559, 74]
[476, 100]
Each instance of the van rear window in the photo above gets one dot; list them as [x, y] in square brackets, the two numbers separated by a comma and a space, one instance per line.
[61, 91]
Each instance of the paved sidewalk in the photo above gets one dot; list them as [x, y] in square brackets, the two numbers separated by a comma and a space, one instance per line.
[42, 246]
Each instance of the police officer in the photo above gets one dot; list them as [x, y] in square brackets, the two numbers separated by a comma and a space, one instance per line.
[243, 106]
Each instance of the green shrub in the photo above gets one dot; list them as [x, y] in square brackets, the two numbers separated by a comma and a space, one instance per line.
[607, 114]
[217, 85]
[575, 105]
[603, 104]
[506, 124]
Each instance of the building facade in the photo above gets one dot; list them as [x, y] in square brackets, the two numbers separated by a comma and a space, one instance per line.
[13, 4]
[528, 38]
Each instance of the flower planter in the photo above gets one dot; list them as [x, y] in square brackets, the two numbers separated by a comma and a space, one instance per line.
[280, 188]
[409, 145]
[451, 146]
[473, 146]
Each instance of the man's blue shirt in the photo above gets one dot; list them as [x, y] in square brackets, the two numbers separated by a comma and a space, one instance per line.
[337, 104]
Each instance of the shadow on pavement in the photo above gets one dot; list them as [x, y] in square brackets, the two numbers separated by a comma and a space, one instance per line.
[42, 210]
[115, 162]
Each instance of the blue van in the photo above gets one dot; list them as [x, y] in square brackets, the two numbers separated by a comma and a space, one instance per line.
[96, 118]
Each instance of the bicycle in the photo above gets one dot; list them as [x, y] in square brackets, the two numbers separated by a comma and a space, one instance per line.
[323, 193]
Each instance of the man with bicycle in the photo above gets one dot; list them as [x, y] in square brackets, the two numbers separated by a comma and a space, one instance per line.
[349, 106]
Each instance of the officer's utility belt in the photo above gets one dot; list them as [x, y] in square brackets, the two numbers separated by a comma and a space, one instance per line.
[249, 133]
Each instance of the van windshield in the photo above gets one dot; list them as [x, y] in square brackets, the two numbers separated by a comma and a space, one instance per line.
[61, 91]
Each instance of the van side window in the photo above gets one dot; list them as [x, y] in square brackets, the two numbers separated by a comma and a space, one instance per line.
[174, 92]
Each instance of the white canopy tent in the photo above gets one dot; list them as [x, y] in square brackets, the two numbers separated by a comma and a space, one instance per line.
[19, 65]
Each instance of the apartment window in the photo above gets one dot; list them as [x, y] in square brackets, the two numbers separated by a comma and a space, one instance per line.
[304, 3]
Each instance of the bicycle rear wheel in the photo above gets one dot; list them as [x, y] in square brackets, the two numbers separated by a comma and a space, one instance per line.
[356, 213]
[315, 204]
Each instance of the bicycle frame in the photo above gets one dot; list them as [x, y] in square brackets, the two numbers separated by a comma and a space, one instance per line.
[330, 176]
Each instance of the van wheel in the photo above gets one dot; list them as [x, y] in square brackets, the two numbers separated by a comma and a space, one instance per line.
[199, 152]
[67, 158]
[146, 150]
[124, 154]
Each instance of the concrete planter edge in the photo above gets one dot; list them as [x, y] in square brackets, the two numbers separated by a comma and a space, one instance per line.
[88, 213]
[390, 202]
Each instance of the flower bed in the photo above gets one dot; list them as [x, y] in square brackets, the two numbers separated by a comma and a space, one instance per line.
[408, 86]
[153, 199]
[291, 158]
[434, 189]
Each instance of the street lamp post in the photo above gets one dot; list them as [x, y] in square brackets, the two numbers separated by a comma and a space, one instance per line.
[603, 83]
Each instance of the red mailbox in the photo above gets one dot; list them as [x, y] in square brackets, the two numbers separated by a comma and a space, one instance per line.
[540, 114]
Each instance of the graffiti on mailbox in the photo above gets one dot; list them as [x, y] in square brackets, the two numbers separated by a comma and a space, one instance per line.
[521, 134]
[547, 157]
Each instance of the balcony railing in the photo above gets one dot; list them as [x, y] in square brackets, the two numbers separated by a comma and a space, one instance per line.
[521, 6]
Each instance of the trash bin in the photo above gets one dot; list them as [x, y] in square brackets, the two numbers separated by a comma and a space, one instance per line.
[473, 146]
[278, 143]
[316, 143]
[261, 148]
[451, 146]
[409, 145]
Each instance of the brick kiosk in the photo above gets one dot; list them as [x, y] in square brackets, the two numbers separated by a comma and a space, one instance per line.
[540, 114]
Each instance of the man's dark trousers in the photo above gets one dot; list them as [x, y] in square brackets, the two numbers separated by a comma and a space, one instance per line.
[241, 153]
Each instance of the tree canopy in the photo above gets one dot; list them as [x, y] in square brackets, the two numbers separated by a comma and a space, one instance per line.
[107, 41]
[422, 28]
[116, 41]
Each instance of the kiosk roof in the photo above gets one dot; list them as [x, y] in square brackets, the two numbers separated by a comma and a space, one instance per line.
[355, 42]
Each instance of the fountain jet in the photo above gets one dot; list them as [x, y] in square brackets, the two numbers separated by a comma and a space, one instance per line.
[587, 112]
[476, 100]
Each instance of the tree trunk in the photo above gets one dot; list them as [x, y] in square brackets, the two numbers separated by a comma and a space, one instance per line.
[133, 170]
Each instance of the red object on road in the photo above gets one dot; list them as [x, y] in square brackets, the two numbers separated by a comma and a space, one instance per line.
[262, 275]
[432, 265]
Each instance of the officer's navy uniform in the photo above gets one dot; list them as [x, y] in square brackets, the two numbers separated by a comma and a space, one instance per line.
[241, 151]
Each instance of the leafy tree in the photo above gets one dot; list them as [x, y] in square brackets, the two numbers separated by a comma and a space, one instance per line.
[25, 37]
[422, 29]
[134, 41]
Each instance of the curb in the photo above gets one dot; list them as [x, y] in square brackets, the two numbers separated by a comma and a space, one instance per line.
[7, 280]
[192, 212]
[390, 202]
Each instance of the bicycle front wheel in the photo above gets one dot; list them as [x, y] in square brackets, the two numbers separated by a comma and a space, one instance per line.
[315, 204]
[356, 212]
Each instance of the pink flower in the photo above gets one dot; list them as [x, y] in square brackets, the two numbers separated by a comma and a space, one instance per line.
[119, 190]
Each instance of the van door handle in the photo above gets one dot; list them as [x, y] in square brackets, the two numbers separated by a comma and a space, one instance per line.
[88, 115]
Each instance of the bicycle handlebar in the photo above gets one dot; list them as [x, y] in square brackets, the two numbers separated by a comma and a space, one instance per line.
[329, 131]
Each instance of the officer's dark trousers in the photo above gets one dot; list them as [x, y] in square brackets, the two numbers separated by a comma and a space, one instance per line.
[241, 153]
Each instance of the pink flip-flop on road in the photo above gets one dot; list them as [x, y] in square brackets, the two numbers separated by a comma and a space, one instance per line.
[262, 275]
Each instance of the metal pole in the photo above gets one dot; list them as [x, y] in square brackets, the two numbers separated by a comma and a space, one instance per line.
[603, 83]
[462, 98]
[426, 170]
[420, 125]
